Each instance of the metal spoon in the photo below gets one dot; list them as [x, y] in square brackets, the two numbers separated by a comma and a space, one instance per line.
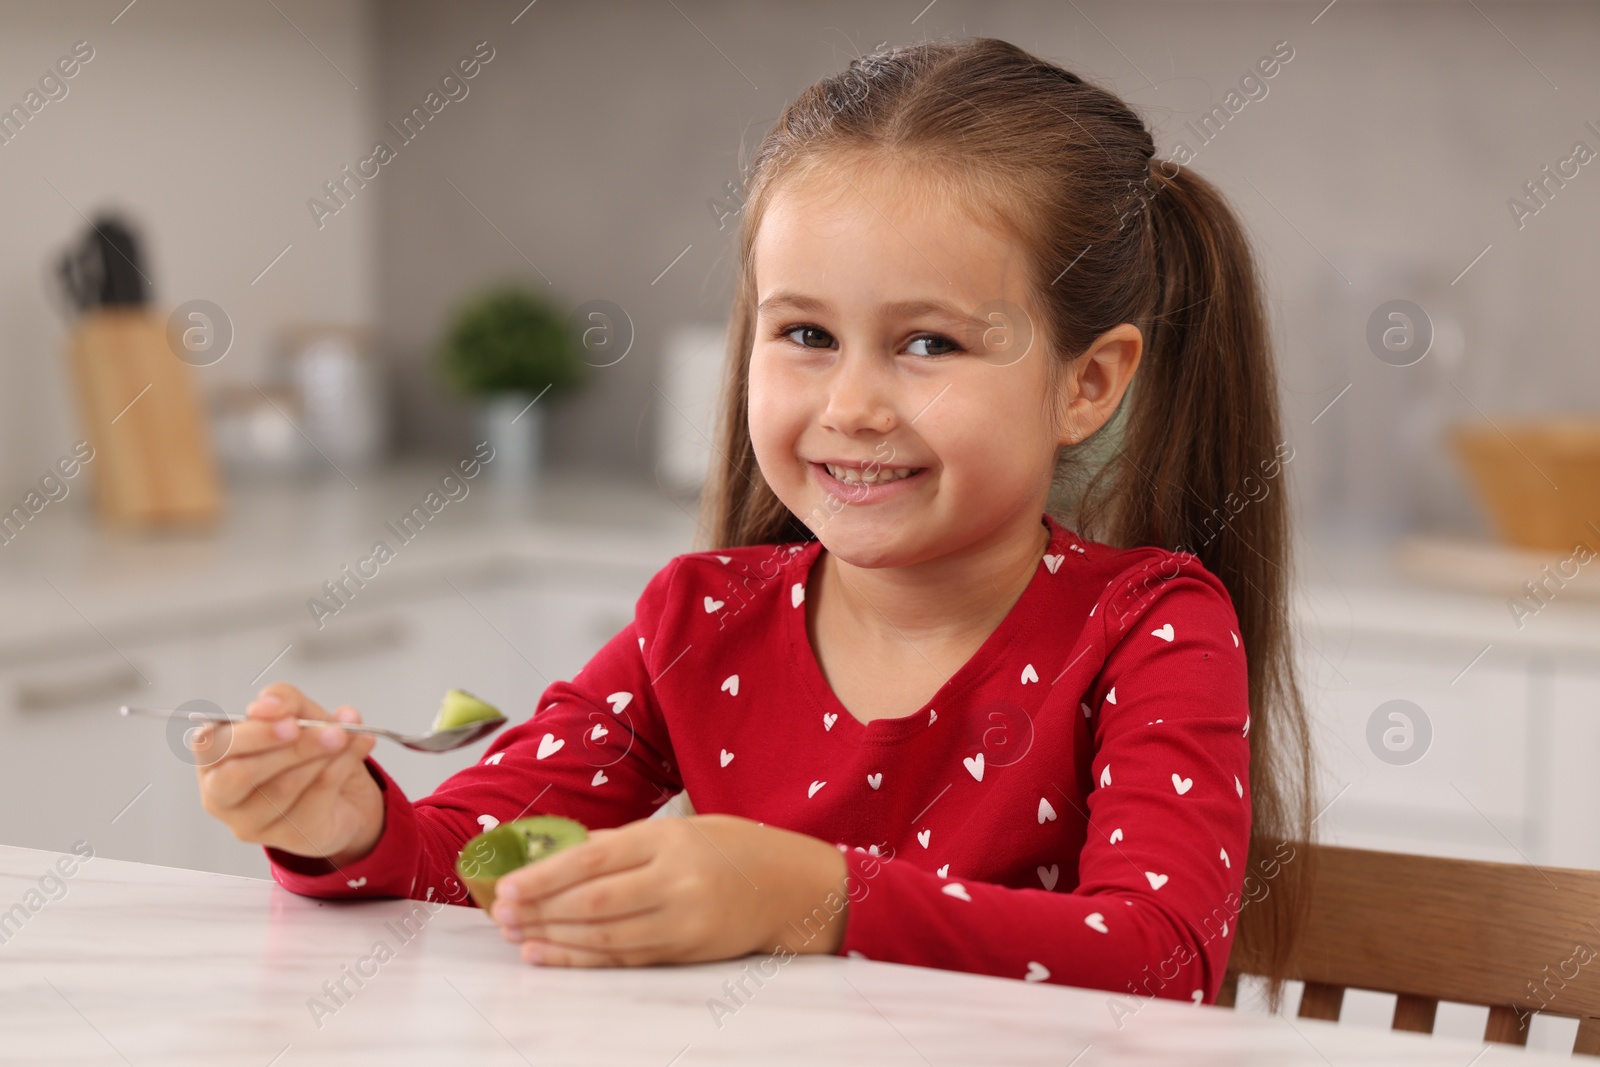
[432, 741]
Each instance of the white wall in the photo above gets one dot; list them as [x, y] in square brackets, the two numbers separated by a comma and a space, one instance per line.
[211, 124]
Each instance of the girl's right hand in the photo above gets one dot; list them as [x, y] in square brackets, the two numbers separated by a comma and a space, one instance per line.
[301, 790]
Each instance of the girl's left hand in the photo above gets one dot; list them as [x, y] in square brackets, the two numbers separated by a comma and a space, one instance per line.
[675, 890]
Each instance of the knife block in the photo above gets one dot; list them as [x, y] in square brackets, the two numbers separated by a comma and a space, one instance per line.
[153, 460]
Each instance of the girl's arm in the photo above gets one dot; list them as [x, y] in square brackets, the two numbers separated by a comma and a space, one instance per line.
[606, 716]
[1161, 876]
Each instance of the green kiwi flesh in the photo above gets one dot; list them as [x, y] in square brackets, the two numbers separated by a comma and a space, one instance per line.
[502, 849]
[459, 708]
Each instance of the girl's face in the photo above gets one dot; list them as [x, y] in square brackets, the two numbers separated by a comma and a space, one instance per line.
[893, 334]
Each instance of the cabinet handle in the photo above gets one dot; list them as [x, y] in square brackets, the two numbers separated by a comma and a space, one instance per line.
[112, 682]
[342, 644]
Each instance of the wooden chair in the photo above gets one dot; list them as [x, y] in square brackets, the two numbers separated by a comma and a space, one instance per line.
[1513, 938]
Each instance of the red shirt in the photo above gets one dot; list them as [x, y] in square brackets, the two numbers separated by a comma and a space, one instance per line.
[1071, 806]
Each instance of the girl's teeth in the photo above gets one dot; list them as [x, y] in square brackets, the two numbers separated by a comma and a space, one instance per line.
[879, 476]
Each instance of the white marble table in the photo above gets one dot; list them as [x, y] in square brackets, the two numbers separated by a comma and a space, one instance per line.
[137, 964]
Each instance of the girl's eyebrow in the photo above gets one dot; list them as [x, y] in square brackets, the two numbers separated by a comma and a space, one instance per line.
[790, 301]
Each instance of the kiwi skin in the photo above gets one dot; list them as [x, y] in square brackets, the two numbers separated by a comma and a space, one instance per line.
[504, 848]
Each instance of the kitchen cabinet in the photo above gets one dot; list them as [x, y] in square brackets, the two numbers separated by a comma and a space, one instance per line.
[1508, 774]
[1570, 799]
[77, 771]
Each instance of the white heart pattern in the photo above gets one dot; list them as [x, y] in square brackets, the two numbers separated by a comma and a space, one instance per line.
[1116, 835]
[828, 719]
[641, 649]
[1105, 775]
[875, 780]
[730, 685]
[727, 757]
[1111, 697]
[355, 883]
[1237, 786]
[599, 778]
[1095, 921]
[1181, 784]
[618, 701]
[725, 559]
[494, 759]
[549, 745]
[1054, 561]
[1164, 632]
[1198, 996]
[813, 790]
[1235, 638]
[933, 716]
[923, 836]
[797, 594]
[943, 872]
[975, 765]
[1225, 863]
[598, 732]
[1037, 972]
[1029, 674]
[1247, 726]
[1050, 875]
[1156, 880]
[1046, 812]
[712, 605]
[488, 822]
[957, 890]
[1085, 709]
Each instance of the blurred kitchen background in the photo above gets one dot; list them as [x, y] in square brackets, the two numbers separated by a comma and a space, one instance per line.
[585, 177]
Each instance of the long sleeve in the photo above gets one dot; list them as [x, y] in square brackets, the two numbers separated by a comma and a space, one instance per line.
[1155, 906]
[596, 750]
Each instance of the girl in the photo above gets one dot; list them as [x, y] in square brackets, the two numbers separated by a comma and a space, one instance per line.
[923, 718]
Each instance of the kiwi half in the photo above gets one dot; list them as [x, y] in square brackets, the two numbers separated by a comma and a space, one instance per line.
[510, 845]
[459, 708]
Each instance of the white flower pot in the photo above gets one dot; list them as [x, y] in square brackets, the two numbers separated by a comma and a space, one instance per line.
[515, 430]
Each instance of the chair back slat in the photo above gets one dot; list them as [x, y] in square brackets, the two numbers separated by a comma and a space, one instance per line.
[1321, 1001]
[1414, 1014]
[1506, 1026]
[1588, 1042]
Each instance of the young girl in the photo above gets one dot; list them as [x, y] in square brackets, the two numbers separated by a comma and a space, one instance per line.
[923, 719]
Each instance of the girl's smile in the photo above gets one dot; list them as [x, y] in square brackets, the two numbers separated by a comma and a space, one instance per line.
[868, 483]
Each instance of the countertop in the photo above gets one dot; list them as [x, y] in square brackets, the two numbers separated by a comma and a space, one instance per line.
[134, 963]
[72, 585]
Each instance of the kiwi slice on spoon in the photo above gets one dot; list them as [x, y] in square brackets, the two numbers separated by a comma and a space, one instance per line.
[502, 849]
[461, 708]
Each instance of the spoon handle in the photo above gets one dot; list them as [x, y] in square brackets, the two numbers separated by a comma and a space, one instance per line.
[200, 716]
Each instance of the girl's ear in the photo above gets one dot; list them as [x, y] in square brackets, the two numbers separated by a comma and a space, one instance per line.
[1090, 387]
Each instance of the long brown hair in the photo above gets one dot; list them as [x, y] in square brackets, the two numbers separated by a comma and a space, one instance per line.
[1112, 235]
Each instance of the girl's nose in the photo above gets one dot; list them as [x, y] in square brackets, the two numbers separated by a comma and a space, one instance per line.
[860, 397]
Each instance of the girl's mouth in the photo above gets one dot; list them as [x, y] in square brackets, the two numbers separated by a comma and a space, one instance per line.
[852, 484]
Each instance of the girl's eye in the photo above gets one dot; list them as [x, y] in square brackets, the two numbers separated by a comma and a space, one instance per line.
[808, 334]
[943, 346]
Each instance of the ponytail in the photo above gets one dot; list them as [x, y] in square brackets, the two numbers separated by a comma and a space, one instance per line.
[1199, 468]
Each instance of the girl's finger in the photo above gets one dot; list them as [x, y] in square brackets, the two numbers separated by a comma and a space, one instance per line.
[647, 930]
[269, 802]
[234, 779]
[604, 898]
[605, 852]
[551, 954]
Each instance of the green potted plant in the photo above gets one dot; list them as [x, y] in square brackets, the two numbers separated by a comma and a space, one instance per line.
[514, 352]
